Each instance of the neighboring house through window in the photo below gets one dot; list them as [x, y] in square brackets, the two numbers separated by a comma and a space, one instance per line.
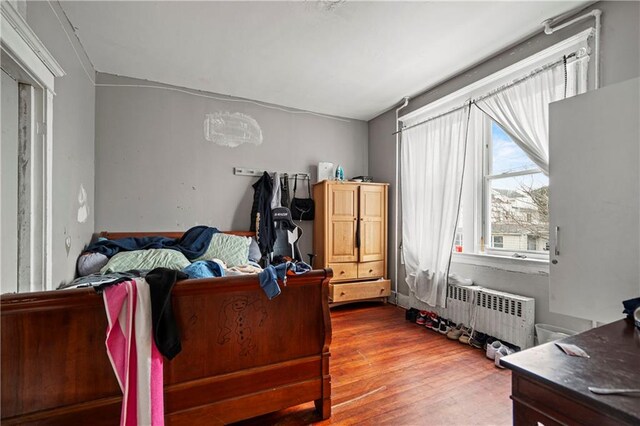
[518, 196]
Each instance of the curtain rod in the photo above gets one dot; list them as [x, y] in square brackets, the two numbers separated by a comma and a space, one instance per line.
[494, 91]
[535, 72]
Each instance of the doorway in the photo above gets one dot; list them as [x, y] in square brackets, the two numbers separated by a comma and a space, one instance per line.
[22, 180]
[9, 184]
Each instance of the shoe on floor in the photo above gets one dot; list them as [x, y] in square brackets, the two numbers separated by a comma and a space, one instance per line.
[465, 336]
[493, 348]
[439, 323]
[422, 317]
[503, 351]
[489, 341]
[411, 314]
[431, 320]
[478, 340]
[445, 326]
[455, 332]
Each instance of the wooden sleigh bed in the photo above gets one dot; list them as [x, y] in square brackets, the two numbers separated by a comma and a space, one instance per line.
[55, 369]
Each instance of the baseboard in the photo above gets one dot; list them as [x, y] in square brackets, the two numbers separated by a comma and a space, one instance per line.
[399, 299]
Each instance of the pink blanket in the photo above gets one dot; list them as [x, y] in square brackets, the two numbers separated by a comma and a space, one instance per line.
[134, 357]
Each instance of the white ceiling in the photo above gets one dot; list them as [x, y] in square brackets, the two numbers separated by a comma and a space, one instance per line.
[355, 60]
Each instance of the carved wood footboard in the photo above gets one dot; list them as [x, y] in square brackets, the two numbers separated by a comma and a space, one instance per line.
[242, 354]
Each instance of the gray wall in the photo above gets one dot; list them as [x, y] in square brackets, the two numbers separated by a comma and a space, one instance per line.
[156, 171]
[620, 60]
[73, 137]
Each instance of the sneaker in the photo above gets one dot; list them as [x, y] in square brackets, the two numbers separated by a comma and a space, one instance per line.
[478, 339]
[493, 348]
[465, 336]
[503, 351]
[445, 326]
[455, 332]
[411, 314]
[489, 341]
[422, 317]
[433, 321]
[441, 322]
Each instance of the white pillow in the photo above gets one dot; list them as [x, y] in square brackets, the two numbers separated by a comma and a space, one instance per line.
[231, 249]
[146, 259]
[91, 263]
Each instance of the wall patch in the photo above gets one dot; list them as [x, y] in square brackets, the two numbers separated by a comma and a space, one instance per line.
[231, 129]
[83, 210]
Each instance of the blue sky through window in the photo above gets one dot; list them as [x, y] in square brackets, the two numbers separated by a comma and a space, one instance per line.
[507, 156]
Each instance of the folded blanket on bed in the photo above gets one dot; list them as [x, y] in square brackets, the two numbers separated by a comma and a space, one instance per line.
[192, 244]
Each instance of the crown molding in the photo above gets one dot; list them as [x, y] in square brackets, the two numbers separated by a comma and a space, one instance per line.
[13, 24]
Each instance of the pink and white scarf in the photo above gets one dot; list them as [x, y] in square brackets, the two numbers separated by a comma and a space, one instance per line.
[134, 356]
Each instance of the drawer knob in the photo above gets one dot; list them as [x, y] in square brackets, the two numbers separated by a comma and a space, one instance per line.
[382, 290]
[342, 293]
[341, 272]
[370, 270]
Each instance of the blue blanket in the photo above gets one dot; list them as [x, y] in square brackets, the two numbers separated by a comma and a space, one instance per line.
[204, 269]
[192, 244]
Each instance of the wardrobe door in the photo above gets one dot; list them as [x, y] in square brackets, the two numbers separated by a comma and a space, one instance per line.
[594, 202]
[373, 223]
[343, 215]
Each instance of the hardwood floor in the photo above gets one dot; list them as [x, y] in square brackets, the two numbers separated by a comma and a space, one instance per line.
[386, 370]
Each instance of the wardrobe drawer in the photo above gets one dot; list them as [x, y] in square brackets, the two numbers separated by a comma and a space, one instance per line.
[371, 269]
[344, 271]
[359, 291]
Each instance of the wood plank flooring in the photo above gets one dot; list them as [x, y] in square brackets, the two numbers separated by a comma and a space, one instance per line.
[386, 370]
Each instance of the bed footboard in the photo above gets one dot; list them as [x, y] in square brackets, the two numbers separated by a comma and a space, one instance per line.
[242, 354]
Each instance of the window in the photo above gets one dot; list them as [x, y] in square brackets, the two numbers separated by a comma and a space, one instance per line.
[517, 194]
[505, 194]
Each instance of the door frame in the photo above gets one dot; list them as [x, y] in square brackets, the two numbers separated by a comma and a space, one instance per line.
[39, 69]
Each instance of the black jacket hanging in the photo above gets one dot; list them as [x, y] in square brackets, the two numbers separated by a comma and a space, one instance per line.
[261, 218]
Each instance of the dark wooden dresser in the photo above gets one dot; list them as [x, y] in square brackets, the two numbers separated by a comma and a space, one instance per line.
[550, 388]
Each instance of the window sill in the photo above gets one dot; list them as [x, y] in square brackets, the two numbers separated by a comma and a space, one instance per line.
[511, 264]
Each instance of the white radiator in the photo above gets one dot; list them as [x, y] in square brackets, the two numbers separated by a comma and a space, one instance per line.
[506, 316]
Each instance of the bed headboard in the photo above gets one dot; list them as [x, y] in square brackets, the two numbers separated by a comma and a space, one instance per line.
[168, 234]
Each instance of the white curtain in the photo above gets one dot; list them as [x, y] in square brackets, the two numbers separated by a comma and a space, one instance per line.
[522, 109]
[432, 163]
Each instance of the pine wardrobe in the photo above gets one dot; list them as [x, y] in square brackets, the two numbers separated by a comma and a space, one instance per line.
[350, 236]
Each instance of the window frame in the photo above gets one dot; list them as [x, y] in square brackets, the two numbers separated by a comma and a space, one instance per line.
[485, 212]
